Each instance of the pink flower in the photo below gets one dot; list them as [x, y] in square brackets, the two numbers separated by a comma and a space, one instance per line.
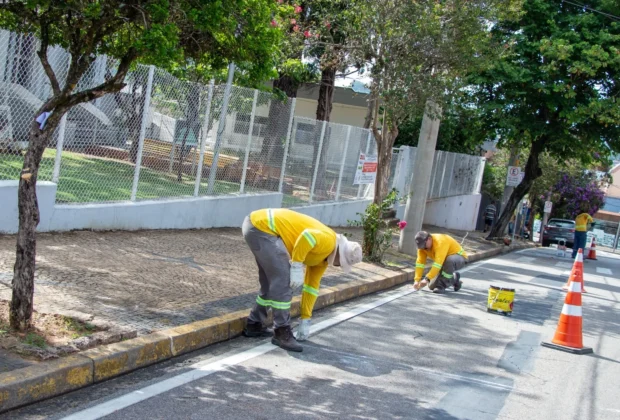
[307, 34]
[402, 225]
[328, 25]
[293, 21]
[280, 1]
[274, 23]
[298, 9]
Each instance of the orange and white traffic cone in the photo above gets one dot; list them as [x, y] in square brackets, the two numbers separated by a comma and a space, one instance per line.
[592, 252]
[576, 274]
[568, 334]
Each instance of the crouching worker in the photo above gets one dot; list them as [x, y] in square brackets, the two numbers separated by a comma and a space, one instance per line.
[285, 244]
[448, 257]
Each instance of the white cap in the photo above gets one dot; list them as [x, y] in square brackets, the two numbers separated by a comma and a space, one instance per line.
[350, 253]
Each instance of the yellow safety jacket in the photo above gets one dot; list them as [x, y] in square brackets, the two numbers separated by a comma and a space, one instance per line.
[581, 222]
[443, 246]
[307, 240]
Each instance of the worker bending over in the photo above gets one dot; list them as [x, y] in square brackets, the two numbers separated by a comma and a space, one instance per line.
[285, 244]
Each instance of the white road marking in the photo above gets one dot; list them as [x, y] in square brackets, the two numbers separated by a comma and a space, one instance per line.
[526, 259]
[206, 368]
[564, 265]
[601, 270]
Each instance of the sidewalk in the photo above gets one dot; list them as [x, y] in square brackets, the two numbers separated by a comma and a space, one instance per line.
[153, 280]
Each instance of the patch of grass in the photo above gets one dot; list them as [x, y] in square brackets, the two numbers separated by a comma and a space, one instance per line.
[78, 328]
[4, 329]
[35, 340]
[85, 178]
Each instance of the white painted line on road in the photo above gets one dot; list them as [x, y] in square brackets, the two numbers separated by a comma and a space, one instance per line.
[601, 270]
[206, 368]
[564, 265]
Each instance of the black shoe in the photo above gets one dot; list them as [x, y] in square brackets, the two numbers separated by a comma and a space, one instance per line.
[285, 339]
[458, 283]
[256, 329]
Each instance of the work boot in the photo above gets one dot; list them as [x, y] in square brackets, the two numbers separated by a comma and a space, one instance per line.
[256, 329]
[285, 339]
[457, 282]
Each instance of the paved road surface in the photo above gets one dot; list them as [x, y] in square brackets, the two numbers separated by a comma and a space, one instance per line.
[397, 355]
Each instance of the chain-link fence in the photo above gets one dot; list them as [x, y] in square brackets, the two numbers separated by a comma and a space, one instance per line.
[452, 173]
[161, 137]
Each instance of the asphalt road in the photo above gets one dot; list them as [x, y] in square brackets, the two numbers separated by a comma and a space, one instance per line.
[399, 354]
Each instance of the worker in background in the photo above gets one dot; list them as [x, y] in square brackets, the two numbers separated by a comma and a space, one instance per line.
[448, 257]
[285, 244]
[581, 235]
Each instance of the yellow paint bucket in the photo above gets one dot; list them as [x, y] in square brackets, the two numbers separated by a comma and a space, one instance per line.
[500, 300]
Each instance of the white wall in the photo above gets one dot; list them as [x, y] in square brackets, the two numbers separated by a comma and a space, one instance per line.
[335, 214]
[459, 212]
[186, 213]
[9, 216]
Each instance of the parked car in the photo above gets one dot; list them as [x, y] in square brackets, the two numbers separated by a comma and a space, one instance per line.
[557, 230]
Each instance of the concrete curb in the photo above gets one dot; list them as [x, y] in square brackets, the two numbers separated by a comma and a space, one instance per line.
[49, 379]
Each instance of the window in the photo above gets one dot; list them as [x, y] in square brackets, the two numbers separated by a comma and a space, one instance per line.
[562, 224]
[243, 121]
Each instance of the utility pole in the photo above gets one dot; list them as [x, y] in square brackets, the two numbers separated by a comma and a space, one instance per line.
[512, 161]
[422, 171]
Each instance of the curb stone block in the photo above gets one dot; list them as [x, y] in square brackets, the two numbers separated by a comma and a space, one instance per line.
[44, 380]
[196, 335]
[236, 322]
[115, 359]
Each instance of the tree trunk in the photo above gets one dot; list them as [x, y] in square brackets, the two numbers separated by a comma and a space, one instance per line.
[323, 113]
[192, 123]
[279, 114]
[532, 171]
[21, 307]
[384, 163]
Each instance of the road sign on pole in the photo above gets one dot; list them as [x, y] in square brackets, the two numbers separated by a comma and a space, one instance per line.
[514, 176]
[548, 206]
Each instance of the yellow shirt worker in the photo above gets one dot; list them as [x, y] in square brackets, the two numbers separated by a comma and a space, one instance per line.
[285, 244]
[581, 229]
[448, 257]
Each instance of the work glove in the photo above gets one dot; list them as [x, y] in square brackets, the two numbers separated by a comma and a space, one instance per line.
[303, 330]
[297, 274]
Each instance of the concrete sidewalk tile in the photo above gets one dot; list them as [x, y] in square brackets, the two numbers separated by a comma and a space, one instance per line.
[44, 380]
[115, 359]
[196, 335]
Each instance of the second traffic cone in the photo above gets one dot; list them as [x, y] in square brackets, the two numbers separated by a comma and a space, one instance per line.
[568, 334]
[576, 274]
[592, 252]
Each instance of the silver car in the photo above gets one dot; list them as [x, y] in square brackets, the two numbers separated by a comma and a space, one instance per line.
[557, 230]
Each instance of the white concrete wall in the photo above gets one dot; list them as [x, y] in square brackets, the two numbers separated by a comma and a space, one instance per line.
[189, 213]
[341, 113]
[9, 215]
[459, 212]
[335, 214]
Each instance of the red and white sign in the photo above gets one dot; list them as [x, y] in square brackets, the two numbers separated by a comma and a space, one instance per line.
[366, 172]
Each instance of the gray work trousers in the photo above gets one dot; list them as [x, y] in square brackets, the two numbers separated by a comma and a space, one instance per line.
[273, 274]
[446, 275]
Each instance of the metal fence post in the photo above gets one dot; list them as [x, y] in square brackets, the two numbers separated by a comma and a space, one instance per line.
[145, 118]
[59, 144]
[220, 130]
[249, 144]
[344, 158]
[287, 144]
[318, 162]
[203, 140]
[616, 238]
[361, 187]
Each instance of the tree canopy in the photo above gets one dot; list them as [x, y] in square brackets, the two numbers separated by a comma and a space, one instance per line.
[555, 89]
